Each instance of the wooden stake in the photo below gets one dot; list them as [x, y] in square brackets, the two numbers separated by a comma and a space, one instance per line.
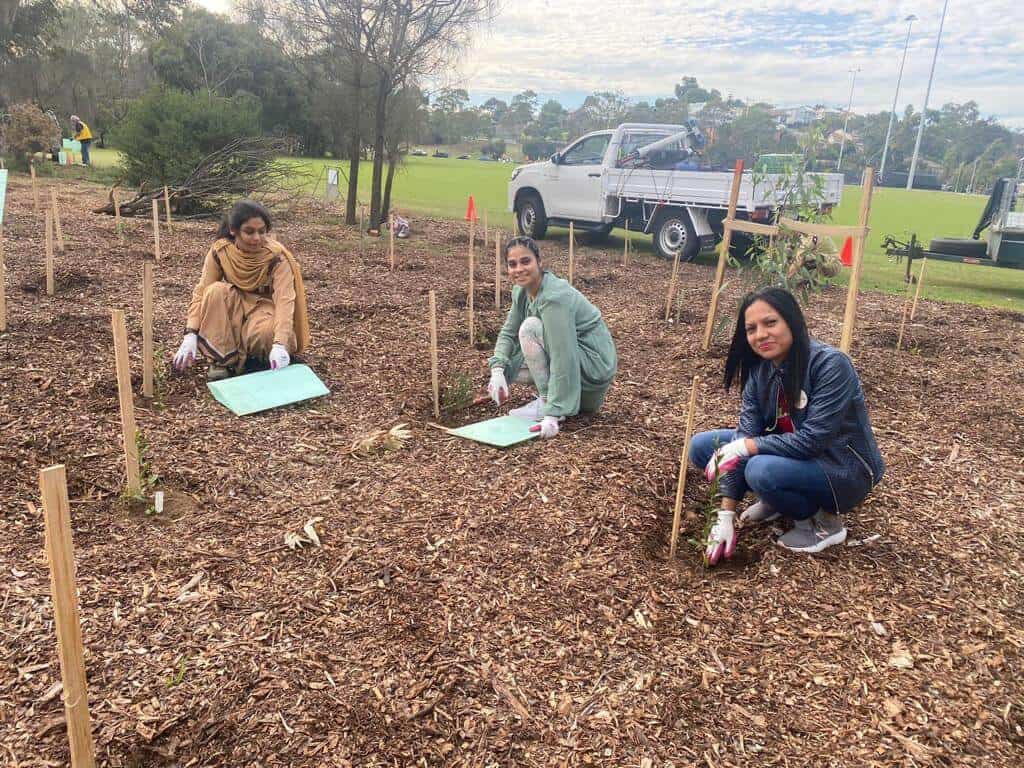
[433, 355]
[683, 463]
[472, 286]
[672, 287]
[723, 254]
[362, 229]
[903, 315]
[391, 243]
[48, 223]
[35, 190]
[167, 207]
[497, 269]
[625, 245]
[117, 215]
[485, 228]
[917, 293]
[850, 315]
[572, 253]
[56, 220]
[3, 279]
[147, 328]
[124, 394]
[156, 231]
[61, 556]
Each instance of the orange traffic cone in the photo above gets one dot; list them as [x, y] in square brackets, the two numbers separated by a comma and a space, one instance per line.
[847, 255]
[471, 210]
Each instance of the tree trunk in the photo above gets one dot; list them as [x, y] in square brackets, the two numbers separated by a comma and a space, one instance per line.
[392, 164]
[354, 148]
[380, 120]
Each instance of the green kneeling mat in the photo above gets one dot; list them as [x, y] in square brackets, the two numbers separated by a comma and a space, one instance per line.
[262, 391]
[500, 432]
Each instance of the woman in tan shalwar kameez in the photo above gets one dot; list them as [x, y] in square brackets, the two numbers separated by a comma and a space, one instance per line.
[250, 301]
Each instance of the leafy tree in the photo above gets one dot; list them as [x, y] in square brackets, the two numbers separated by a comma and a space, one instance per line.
[166, 132]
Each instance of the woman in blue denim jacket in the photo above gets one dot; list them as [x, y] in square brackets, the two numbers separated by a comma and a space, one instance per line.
[804, 445]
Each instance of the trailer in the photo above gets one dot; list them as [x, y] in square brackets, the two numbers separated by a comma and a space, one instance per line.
[1002, 217]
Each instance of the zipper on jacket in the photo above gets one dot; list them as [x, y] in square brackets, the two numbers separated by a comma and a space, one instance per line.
[866, 465]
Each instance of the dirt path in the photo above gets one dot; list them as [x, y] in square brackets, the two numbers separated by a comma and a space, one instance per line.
[472, 607]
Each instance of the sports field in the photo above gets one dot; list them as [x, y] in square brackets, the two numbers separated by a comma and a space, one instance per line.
[441, 186]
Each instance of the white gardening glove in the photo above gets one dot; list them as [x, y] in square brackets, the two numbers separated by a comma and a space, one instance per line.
[497, 387]
[186, 354]
[722, 538]
[548, 428]
[726, 458]
[279, 357]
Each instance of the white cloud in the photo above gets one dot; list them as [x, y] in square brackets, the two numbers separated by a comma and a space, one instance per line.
[784, 51]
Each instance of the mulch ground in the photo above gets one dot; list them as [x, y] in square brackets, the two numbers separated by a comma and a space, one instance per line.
[472, 607]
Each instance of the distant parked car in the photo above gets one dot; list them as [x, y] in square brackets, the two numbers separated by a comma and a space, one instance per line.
[486, 159]
[418, 153]
[439, 153]
[463, 157]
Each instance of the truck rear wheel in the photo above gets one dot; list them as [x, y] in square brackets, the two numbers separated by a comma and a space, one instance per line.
[531, 217]
[673, 233]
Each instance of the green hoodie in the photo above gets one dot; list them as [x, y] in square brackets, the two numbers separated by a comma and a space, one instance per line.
[578, 344]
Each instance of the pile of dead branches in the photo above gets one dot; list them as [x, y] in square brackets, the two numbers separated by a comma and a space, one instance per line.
[246, 167]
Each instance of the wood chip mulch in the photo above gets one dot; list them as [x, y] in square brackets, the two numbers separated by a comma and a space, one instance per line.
[472, 607]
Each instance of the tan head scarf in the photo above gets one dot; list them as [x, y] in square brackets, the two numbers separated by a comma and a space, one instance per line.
[248, 271]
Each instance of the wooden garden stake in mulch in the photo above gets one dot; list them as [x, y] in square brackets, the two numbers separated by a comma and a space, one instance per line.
[917, 293]
[3, 294]
[433, 355]
[118, 226]
[362, 229]
[723, 254]
[497, 269]
[59, 230]
[48, 223]
[156, 230]
[850, 316]
[35, 190]
[683, 463]
[391, 242]
[672, 287]
[124, 394]
[903, 316]
[147, 328]
[61, 556]
[167, 207]
[572, 253]
[472, 286]
[485, 228]
[625, 245]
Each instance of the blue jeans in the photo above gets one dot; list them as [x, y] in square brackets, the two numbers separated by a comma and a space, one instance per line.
[795, 489]
[85, 151]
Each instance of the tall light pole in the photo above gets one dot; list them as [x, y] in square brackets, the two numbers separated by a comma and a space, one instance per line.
[846, 122]
[892, 116]
[927, 93]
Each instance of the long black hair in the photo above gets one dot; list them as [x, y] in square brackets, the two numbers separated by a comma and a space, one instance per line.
[240, 213]
[743, 359]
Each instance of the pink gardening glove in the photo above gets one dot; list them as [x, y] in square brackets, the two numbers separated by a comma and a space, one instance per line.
[726, 458]
[722, 538]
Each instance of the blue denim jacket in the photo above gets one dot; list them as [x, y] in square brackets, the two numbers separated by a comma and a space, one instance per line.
[832, 427]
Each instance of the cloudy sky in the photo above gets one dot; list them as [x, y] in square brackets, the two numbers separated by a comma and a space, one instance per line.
[788, 52]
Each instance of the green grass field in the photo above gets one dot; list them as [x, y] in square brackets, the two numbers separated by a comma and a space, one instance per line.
[440, 187]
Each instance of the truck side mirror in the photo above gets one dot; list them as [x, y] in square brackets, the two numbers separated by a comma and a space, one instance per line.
[555, 158]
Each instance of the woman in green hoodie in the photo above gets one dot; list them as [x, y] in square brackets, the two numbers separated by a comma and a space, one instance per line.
[554, 338]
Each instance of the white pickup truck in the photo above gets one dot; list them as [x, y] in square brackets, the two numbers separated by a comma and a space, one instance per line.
[598, 182]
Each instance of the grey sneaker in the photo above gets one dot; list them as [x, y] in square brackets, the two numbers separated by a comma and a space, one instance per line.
[820, 532]
[531, 411]
[759, 512]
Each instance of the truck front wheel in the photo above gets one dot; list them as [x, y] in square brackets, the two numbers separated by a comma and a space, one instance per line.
[532, 219]
[673, 233]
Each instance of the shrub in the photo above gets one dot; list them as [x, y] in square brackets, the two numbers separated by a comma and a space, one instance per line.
[166, 133]
[26, 129]
[495, 148]
[536, 149]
